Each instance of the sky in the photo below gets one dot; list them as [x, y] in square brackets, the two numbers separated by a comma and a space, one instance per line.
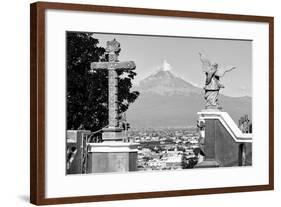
[180, 55]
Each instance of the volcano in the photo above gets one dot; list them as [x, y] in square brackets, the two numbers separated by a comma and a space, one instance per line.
[167, 100]
[167, 84]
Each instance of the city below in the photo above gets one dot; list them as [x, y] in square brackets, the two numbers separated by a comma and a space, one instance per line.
[166, 148]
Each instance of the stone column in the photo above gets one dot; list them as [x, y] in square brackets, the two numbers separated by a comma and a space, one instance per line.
[112, 98]
[113, 132]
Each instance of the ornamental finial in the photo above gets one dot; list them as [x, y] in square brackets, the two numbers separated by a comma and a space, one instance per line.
[113, 46]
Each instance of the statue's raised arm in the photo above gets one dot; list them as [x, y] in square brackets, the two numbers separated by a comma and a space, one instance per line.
[221, 71]
[206, 63]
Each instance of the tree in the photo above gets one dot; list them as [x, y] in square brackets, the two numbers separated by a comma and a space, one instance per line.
[87, 94]
[188, 163]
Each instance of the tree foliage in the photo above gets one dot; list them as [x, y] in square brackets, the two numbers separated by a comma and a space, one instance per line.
[188, 163]
[87, 94]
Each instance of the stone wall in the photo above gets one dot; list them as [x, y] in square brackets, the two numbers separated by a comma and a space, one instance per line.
[221, 147]
[74, 148]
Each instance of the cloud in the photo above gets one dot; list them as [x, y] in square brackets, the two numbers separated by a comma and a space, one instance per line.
[166, 66]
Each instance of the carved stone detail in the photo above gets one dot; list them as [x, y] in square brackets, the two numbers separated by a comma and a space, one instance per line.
[112, 49]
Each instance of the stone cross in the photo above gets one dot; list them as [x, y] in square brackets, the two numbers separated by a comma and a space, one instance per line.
[112, 50]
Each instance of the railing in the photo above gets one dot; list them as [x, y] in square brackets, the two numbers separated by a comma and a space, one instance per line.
[229, 125]
[87, 138]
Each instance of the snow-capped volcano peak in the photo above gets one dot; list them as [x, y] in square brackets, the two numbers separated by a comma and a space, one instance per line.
[164, 71]
[165, 82]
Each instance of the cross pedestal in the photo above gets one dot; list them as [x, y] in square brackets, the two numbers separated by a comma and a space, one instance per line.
[112, 157]
[113, 154]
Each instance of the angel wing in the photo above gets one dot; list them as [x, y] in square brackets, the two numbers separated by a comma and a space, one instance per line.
[221, 71]
[206, 63]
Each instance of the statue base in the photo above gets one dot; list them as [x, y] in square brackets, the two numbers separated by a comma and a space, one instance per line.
[112, 156]
[212, 109]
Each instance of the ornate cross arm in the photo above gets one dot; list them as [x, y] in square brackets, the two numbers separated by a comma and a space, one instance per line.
[126, 65]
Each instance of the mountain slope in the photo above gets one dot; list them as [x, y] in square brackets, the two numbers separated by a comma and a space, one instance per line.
[169, 101]
[166, 83]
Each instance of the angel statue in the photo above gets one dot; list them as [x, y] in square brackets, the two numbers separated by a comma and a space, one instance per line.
[213, 84]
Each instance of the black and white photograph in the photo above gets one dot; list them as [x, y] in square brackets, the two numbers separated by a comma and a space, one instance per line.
[138, 103]
[153, 103]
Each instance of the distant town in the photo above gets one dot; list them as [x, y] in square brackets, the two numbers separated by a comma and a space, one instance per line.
[165, 149]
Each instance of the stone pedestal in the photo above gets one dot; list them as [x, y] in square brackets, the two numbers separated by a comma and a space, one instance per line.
[207, 144]
[112, 157]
